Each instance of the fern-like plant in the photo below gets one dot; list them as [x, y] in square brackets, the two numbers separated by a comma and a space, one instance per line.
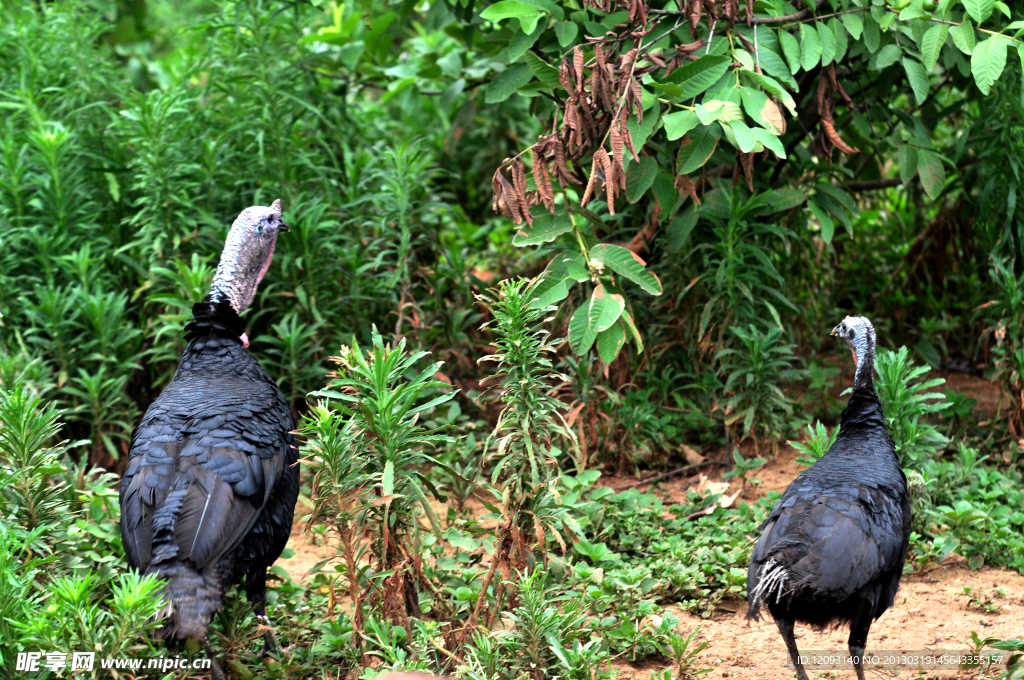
[907, 404]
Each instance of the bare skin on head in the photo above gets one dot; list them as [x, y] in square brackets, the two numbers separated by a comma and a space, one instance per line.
[859, 334]
[246, 257]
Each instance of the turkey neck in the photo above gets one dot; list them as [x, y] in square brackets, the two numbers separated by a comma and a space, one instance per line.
[865, 353]
[214, 317]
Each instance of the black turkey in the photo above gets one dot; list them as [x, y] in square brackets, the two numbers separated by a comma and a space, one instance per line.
[833, 548]
[213, 476]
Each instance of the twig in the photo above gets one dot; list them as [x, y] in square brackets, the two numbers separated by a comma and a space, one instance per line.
[670, 473]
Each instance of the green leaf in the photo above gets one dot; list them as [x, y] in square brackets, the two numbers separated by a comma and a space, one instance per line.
[561, 273]
[581, 337]
[828, 43]
[828, 227]
[702, 143]
[918, 79]
[546, 227]
[697, 76]
[760, 109]
[521, 42]
[810, 47]
[839, 34]
[772, 87]
[679, 229]
[627, 319]
[933, 175]
[508, 9]
[774, 66]
[507, 82]
[872, 38]
[980, 10]
[610, 342]
[566, 32]
[886, 57]
[679, 123]
[963, 36]
[769, 140]
[664, 189]
[908, 163]
[640, 177]
[605, 309]
[745, 140]
[931, 45]
[854, 24]
[790, 50]
[783, 199]
[988, 62]
[545, 72]
[628, 264]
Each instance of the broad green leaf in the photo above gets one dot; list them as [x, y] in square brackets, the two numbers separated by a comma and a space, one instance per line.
[783, 199]
[641, 133]
[610, 342]
[931, 45]
[581, 337]
[702, 142]
[507, 82]
[886, 57]
[1004, 8]
[839, 34]
[545, 72]
[679, 229]
[679, 123]
[980, 10]
[963, 36]
[828, 227]
[546, 227]
[761, 110]
[854, 24]
[521, 42]
[933, 175]
[775, 66]
[508, 9]
[566, 32]
[628, 264]
[771, 86]
[716, 109]
[872, 38]
[769, 140]
[908, 163]
[745, 140]
[561, 273]
[918, 79]
[988, 62]
[605, 309]
[549, 6]
[810, 47]
[627, 320]
[664, 189]
[840, 196]
[790, 49]
[640, 177]
[828, 43]
[697, 76]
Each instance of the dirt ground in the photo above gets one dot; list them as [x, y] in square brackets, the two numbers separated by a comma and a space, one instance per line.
[931, 611]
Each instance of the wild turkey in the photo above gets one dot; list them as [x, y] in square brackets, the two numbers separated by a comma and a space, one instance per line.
[833, 548]
[212, 476]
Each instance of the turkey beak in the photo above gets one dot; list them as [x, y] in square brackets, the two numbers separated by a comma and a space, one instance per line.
[834, 331]
[283, 227]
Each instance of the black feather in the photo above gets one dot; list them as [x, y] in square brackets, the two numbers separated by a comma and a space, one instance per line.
[212, 479]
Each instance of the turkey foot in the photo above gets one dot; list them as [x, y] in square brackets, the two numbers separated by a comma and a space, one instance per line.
[215, 671]
[270, 648]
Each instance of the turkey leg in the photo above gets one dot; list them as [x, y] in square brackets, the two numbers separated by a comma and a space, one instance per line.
[786, 628]
[215, 672]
